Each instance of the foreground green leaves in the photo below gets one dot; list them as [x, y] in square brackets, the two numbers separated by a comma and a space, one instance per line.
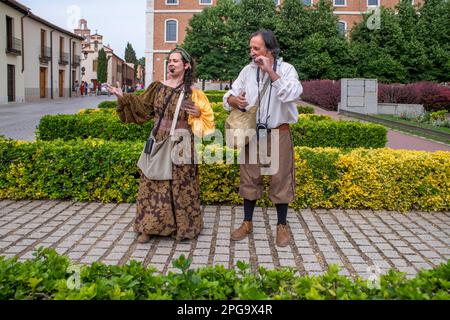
[49, 276]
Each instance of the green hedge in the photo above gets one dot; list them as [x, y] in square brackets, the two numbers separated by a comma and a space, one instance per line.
[49, 276]
[305, 109]
[101, 125]
[310, 131]
[96, 170]
[317, 132]
[108, 105]
[215, 97]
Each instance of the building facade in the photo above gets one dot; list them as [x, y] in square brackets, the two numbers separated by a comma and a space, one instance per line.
[166, 22]
[40, 60]
[118, 69]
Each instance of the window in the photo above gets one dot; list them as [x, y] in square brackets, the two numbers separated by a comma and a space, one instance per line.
[94, 66]
[9, 31]
[308, 3]
[43, 39]
[340, 3]
[342, 28]
[11, 82]
[171, 31]
[205, 2]
[372, 3]
[96, 45]
[61, 47]
[171, 2]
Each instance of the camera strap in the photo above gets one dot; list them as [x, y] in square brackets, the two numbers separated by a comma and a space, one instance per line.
[263, 92]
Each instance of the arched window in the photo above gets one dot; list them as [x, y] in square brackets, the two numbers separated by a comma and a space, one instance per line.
[342, 28]
[171, 31]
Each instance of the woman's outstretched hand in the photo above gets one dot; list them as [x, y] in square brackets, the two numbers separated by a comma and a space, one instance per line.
[116, 91]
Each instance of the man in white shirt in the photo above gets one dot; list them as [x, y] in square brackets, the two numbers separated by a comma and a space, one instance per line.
[277, 109]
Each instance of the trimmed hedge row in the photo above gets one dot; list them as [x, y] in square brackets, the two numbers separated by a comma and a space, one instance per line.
[102, 125]
[95, 170]
[49, 276]
[108, 105]
[311, 130]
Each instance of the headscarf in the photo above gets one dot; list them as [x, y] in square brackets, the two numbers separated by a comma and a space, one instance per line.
[186, 56]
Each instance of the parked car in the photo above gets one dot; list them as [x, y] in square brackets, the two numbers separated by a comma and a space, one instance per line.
[104, 90]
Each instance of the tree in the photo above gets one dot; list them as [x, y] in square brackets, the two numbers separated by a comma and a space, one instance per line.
[433, 31]
[102, 66]
[379, 51]
[141, 62]
[213, 40]
[310, 40]
[130, 56]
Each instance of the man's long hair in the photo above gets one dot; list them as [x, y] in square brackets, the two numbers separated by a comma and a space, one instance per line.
[270, 41]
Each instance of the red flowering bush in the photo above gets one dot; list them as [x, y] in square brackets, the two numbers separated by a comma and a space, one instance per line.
[323, 93]
[432, 96]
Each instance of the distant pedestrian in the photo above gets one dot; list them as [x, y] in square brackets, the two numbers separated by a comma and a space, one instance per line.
[82, 89]
[77, 88]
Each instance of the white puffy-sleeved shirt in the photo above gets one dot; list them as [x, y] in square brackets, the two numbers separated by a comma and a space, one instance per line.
[285, 93]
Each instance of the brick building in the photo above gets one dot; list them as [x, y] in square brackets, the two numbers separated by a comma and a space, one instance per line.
[166, 22]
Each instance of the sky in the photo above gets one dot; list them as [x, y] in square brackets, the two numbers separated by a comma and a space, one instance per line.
[117, 21]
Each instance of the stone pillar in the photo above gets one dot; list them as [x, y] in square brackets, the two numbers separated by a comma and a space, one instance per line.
[359, 95]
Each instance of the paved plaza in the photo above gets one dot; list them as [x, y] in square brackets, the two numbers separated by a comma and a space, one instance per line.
[354, 239]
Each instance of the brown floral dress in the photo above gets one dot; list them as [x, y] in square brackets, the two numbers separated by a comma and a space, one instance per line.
[164, 208]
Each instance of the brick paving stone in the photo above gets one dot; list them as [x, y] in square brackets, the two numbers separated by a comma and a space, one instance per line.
[201, 259]
[312, 267]
[367, 249]
[115, 256]
[413, 258]
[159, 259]
[15, 249]
[75, 255]
[242, 254]
[347, 251]
[287, 263]
[265, 258]
[331, 255]
[355, 259]
[390, 254]
[91, 259]
[268, 266]
[309, 258]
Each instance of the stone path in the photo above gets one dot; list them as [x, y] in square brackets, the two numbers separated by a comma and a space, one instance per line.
[354, 239]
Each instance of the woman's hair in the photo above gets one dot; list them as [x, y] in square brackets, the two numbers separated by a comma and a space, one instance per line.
[270, 41]
[189, 74]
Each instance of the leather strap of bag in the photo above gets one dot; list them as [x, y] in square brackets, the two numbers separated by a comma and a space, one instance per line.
[177, 113]
[155, 130]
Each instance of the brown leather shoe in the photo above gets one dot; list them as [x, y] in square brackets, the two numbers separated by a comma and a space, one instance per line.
[143, 238]
[282, 235]
[245, 229]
